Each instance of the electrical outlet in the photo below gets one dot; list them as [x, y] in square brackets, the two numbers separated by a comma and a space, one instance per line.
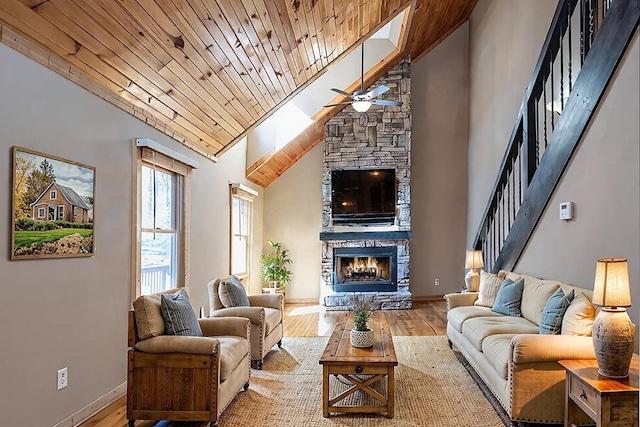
[437, 282]
[63, 378]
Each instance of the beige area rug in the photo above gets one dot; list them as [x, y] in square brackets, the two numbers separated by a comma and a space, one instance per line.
[432, 389]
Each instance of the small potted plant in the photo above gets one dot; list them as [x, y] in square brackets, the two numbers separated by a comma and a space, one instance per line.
[361, 335]
[274, 266]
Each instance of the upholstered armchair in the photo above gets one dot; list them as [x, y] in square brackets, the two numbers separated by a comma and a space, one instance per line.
[266, 313]
[187, 378]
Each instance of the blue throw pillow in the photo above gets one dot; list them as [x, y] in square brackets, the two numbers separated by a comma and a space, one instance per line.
[509, 298]
[178, 315]
[554, 309]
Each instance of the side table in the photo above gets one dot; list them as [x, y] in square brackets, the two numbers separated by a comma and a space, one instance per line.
[609, 402]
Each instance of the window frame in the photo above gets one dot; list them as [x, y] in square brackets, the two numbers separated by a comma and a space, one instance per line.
[182, 173]
[247, 195]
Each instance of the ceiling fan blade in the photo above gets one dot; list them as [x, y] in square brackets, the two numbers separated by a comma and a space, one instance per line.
[386, 102]
[339, 103]
[341, 92]
[377, 91]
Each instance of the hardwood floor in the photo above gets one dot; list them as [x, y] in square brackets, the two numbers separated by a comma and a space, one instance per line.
[426, 318]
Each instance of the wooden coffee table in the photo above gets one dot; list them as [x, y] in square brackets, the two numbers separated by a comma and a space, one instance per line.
[360, 368]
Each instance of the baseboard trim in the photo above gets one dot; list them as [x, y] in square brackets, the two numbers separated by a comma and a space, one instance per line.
[427, 298]
[94, 407]
[301, 300]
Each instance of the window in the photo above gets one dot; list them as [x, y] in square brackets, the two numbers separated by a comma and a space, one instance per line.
[241, 230]
[61, 212]
[162, 223]
[75, 211]
[53, 194]
[40, 212]
[159, 240]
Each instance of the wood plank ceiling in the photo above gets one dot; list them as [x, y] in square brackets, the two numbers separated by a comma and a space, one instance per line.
[208, 72]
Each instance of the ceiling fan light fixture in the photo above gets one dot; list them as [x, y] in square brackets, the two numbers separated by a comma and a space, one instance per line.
[361, 106]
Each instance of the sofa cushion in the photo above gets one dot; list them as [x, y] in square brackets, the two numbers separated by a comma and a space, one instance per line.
[489, 285]
[457, 316]
[477, 329]
[554, 309]
[509, 298]
[535, 295]
[232, 293]
[232, 351]
[273, 317]
[179, 317]
[149, 321]
[496, 349]
[578, 319]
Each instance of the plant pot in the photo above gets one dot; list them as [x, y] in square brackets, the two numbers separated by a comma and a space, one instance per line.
[362, 339]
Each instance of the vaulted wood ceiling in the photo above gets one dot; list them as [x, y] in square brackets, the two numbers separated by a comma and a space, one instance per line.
[207, 72]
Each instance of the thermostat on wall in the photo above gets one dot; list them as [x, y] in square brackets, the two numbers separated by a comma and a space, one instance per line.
[566, 210]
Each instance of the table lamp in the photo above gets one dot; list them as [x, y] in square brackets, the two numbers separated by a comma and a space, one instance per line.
[473, 261]
[613, 332]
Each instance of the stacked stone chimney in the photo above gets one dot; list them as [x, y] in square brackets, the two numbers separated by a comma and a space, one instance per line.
[377, 139]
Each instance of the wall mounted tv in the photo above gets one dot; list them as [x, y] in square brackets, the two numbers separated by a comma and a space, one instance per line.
[363, 196]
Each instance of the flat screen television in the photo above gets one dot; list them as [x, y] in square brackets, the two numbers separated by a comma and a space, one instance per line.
[363, 196]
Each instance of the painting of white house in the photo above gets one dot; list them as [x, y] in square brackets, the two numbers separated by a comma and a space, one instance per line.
[52, 206]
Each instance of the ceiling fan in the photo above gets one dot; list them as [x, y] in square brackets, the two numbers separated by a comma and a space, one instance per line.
[361, 99]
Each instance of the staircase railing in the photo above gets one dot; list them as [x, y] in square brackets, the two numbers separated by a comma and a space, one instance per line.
[585, 42]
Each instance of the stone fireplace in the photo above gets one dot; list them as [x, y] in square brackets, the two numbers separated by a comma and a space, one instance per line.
[370, 258]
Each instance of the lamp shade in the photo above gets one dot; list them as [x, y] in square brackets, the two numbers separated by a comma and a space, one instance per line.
[474, 260]
[361, 106]
[611, 287]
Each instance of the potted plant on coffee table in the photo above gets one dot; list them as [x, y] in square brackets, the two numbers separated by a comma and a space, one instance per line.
[274, 267]
[361, 335]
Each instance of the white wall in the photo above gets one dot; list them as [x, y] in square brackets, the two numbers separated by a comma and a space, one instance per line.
[602, 180]
[505, 40]
[293, 216]
[72, 311]
[440, 115]
[603, 175]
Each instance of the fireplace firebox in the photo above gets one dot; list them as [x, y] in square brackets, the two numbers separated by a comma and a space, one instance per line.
[365, 269]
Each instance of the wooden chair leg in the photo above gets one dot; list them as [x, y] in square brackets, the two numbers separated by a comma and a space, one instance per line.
[246, 386]
[256, 364]
[280, 344]
[131, 423]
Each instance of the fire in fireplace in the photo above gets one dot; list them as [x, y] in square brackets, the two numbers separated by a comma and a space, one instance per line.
[365, 269]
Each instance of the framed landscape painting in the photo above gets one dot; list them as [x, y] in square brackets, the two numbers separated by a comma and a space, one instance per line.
[52, 207]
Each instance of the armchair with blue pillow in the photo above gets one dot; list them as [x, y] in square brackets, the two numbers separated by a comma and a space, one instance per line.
[227, 297]
[204, 363]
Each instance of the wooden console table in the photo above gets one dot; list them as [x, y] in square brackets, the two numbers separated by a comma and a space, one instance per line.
[361, 367]
[609, 402]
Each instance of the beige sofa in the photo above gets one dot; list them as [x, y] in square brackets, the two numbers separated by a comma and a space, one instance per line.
[517, 364]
